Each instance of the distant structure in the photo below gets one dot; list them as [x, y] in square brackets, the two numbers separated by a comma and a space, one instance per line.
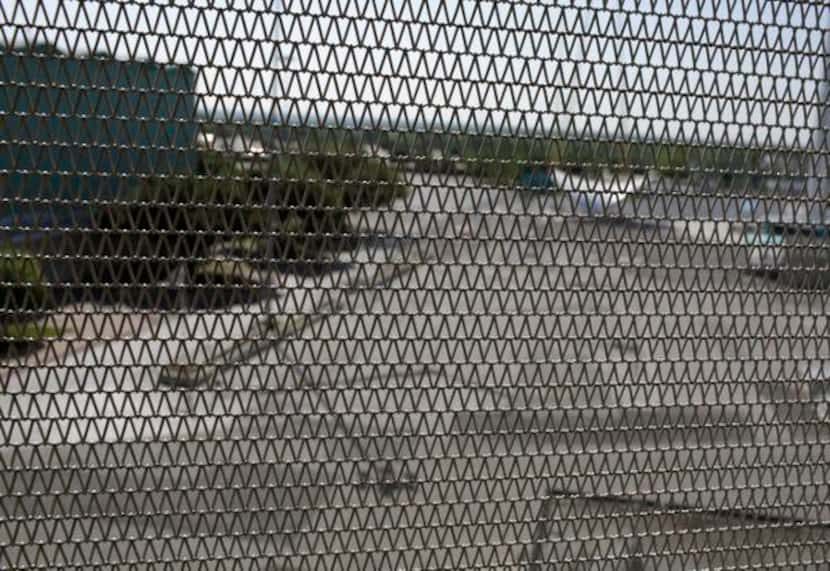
[819, 185]
[815, 211]
[74, 129]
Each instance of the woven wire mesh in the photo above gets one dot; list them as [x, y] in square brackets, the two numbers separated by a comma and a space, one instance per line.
[414, 285]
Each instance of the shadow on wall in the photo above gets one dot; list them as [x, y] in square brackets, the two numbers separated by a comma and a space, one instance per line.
[76, 129]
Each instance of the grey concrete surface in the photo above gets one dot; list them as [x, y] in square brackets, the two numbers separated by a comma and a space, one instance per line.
[496, 381]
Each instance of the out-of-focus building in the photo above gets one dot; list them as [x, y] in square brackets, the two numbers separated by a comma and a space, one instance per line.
[76, 129]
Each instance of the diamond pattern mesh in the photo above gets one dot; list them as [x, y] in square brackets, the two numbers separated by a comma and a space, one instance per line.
[414, 285]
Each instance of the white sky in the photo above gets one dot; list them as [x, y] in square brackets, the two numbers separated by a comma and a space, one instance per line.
[702, 68]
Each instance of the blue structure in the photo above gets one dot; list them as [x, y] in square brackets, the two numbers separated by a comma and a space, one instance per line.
[536, 179]
[75, 129]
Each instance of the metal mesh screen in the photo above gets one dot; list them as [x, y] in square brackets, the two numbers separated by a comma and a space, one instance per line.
[414, 285]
